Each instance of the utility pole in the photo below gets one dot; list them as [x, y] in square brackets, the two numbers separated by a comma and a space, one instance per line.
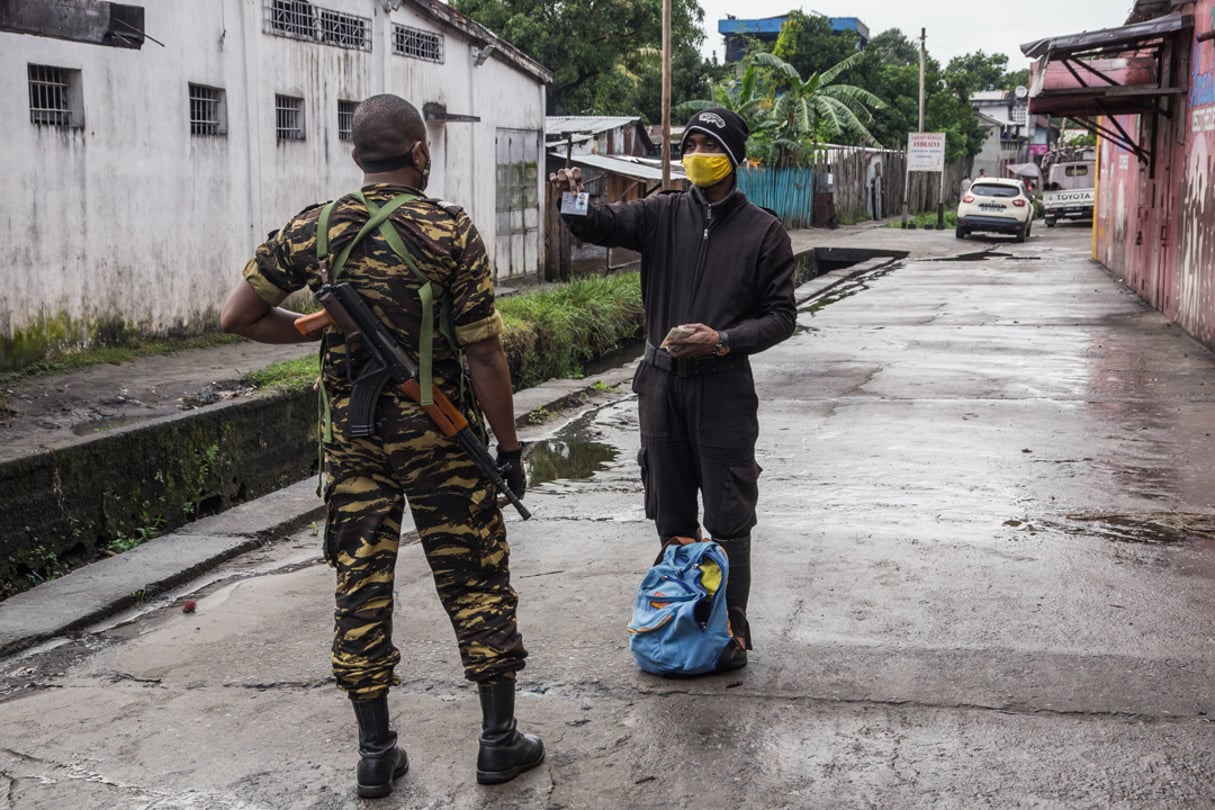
[907, 175]
[941, 193]
[923, 56]
[666, 94]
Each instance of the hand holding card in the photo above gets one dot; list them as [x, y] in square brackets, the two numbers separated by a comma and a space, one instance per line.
[575, 204]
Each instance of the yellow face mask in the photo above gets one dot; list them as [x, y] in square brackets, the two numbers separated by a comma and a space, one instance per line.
[706, 170]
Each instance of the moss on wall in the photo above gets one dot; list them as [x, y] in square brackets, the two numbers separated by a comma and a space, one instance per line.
[64, 507]
[50, 334]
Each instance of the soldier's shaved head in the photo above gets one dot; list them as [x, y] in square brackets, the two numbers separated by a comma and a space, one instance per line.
[386, 126]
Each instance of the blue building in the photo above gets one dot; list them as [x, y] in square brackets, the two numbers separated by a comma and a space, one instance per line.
[737, 31]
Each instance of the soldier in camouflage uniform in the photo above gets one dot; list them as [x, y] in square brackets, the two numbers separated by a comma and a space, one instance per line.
[369, 480]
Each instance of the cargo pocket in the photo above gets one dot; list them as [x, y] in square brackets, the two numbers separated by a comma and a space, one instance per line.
[329, 548]
[331, 538]
[651, 497]
[736, 512]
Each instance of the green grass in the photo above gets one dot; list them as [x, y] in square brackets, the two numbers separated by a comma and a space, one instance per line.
[852, 219]
[552, 331]
[556, 331]
[73, 360]
[291, 374]
[926, 221]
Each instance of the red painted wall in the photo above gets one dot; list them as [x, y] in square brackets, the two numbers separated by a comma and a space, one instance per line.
[1158, 233]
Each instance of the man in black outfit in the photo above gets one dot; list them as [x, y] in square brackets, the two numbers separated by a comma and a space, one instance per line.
[721, 270]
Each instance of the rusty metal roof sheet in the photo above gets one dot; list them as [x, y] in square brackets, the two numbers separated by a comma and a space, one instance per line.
[1107, 40]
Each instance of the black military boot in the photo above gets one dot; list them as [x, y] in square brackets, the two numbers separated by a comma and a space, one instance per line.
[505, 752]
[738, 589]
[382, 760]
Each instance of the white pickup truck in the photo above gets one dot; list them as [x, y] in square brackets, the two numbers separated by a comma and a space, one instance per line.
[1069, 191]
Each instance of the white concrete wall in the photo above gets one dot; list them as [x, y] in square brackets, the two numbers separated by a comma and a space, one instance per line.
[132, 219]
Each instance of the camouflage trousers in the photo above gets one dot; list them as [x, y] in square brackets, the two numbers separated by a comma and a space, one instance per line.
[368, 482]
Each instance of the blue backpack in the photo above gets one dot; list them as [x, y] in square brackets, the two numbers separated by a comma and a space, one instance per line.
[680, 624]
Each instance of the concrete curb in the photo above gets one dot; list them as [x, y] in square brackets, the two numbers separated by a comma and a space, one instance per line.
[111, 585]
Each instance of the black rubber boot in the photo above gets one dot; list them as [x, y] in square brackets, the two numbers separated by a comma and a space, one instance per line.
[738, 586]
[505, 751]
[382, 760]
[738, 589]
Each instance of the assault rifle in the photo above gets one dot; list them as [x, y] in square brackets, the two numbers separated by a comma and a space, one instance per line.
[346, 309]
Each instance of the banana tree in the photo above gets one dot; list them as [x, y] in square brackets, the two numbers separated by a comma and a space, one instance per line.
[806, 112]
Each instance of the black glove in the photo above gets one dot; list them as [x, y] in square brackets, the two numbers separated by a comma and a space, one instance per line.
[510, 466]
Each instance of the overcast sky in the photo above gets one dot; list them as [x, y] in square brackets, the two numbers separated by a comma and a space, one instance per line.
[954, 27]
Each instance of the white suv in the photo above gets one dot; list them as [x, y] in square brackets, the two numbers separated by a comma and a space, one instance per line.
[996, 205]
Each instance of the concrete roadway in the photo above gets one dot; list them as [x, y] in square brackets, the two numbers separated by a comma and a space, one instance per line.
[982, 579]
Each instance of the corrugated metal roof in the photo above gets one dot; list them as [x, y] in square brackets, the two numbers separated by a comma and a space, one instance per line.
[1147, 9]
[593, 124]
[641, 168]
[1108, 40]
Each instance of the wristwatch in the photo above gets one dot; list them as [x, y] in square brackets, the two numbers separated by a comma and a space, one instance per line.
[723, 344]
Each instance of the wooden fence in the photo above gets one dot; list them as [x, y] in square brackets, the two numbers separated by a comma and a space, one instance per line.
[849, 184]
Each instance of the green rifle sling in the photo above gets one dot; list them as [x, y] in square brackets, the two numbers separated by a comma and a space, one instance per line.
[378, 219]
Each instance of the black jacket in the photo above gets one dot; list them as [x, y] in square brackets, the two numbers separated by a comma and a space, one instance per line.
[728, 266]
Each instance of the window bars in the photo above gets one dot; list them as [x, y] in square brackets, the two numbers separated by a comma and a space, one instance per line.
[299, 19]
[288, 118]
[345, 119]
[416, 43]
[206, 110]
[49, 95]
[344, 30]
[291, 18]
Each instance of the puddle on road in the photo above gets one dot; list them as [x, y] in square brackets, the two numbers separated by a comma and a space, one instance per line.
[1144, 528]
[574, 452]
[844, 288]
[984, 255]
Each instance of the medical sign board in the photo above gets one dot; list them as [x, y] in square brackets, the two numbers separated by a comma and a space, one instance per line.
[926, 151]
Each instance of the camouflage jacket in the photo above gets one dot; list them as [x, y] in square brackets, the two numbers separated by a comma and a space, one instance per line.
[446, 247]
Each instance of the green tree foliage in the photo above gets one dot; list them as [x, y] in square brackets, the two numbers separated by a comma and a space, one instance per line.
[809, 111]
[603, 55]
[975, 72]
[978, 71]
[890, 69]
[789, 115]
[810, 45]
[1016, 78]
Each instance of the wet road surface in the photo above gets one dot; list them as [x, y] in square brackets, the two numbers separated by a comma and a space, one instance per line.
[983, 578]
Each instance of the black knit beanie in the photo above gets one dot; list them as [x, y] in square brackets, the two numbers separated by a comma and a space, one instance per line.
[725, 126]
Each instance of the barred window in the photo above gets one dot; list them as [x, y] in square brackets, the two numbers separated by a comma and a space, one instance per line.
[292, 18]
[345, 118]
[288, 118]
[299, 19]
[208, 110]
[416, 43]
[55, 98]
[344, 30]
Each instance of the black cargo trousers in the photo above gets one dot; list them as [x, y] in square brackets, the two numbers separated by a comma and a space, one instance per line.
[698, 434]
[368, 483]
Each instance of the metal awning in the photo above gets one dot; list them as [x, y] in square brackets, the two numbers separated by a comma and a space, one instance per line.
[1118, 39]
[1094, 76]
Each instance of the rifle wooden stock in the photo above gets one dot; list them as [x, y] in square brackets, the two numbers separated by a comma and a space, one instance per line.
[443, 413]
[307, 324]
